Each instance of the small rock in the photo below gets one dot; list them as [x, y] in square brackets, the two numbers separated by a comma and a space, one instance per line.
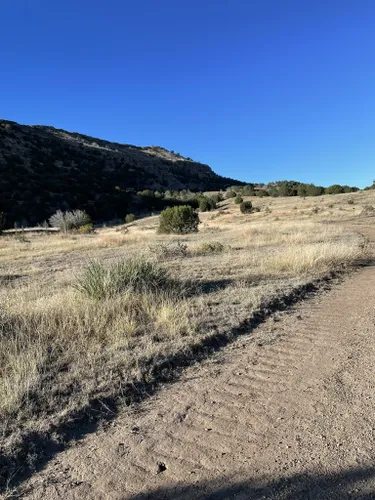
[160, 467]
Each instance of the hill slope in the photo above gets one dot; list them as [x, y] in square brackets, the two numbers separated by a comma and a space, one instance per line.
[44, 169]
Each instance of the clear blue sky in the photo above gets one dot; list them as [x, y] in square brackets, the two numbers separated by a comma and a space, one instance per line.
[260, 90]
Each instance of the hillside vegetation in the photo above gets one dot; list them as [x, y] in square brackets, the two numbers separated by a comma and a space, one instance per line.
[43, 170]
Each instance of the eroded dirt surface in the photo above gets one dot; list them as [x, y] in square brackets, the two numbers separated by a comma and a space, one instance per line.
[286, 412]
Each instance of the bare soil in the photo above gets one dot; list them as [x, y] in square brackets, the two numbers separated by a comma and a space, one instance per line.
[286, 412]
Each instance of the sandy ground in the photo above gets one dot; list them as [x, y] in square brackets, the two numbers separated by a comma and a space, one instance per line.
[285, 412]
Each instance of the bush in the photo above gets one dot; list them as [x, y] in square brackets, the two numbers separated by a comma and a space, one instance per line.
[100, 281]
[246, 207]
[238, 200]
[217, 198]
[231, 194]
[169, 250]
[86, 229]
[178, 220]
[211, 247]
[78, 218]
[206, 204]
[68, 221]
[261, 193]
[248, 190]
[129, 218]
[368, 210]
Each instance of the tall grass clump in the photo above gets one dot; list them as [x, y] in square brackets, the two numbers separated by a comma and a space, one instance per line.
[101, 281]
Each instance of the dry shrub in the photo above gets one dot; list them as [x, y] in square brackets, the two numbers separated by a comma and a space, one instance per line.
[368, 210]
[68, 221]
[166, 250]
[209, 247]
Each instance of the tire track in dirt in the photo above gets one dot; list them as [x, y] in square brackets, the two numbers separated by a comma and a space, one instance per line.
[293, 400]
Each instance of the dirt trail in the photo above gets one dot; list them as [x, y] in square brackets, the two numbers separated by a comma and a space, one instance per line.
[286, 412]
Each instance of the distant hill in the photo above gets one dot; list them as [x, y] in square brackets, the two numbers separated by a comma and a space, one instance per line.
[43, 169]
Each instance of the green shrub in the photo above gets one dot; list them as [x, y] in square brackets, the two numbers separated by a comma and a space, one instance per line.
[246, 207]
[334, 189]
[100, 281]
[129, 218]
[248, 190]
[217, 198]
[178, 220]
[206, 204]
[238, 200]
[231, 194]
[261, 193]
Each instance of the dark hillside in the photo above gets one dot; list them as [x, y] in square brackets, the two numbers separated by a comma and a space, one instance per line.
[43, 169]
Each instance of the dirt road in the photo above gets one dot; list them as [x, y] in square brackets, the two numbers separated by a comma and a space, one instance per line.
[286, 412]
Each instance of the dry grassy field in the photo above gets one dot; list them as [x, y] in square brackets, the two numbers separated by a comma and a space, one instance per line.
[61, 347]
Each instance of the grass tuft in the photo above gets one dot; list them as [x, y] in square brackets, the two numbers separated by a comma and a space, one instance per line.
[100, 281]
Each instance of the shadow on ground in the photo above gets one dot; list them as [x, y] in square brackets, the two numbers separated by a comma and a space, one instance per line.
[8, 278]
[358, 483]
[36, 449]
[206, 287]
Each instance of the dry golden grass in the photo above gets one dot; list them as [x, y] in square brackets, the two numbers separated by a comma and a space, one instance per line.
[311, 258]
[59, 348]
[43, 335]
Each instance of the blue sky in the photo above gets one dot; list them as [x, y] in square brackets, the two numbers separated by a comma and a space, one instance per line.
[260, 90]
